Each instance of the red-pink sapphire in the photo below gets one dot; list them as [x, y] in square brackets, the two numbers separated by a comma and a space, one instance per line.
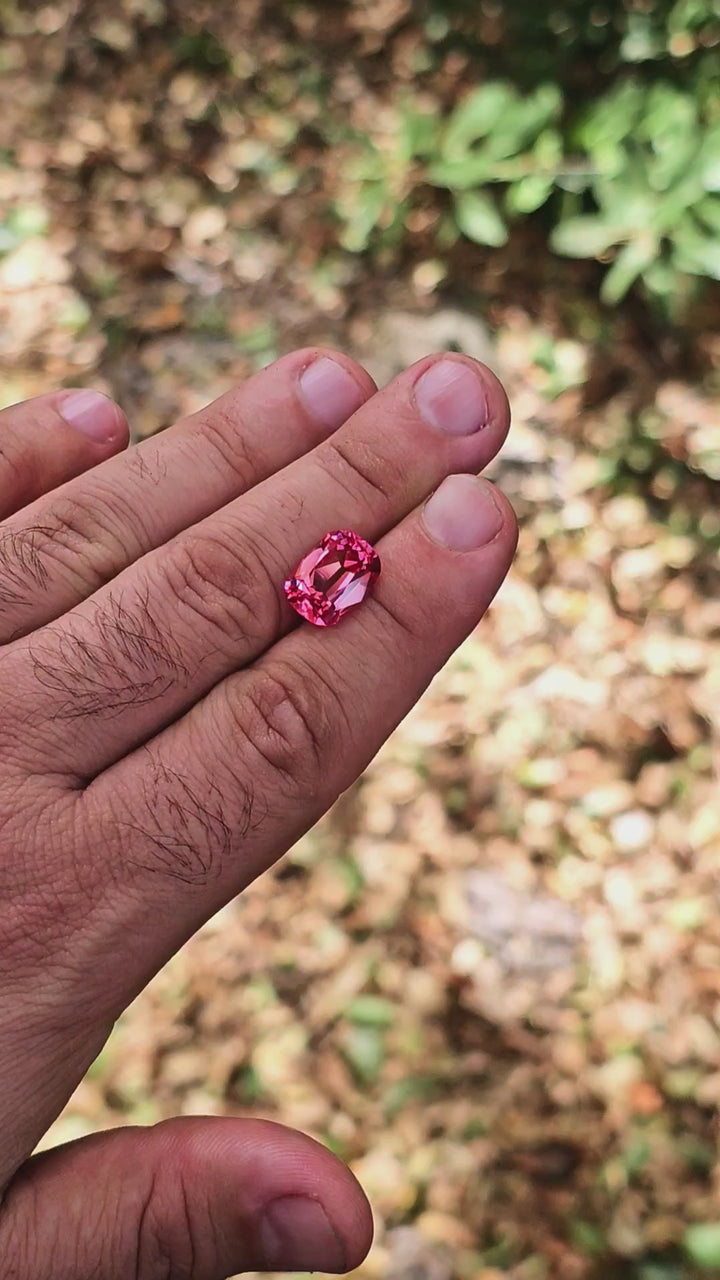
[332, 578]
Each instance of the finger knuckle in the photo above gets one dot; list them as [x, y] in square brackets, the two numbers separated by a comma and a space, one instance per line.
[178, 829]
[220, 580]
[225, 440]
[74, 526]
[407, 622]
[287, 726]
[362, 470]
[30, 553]
[165, 1235]
[20, 467]
[23, 568]
[125, 658]
[75, 537]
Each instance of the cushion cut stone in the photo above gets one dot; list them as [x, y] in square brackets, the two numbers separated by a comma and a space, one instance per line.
[332, 578]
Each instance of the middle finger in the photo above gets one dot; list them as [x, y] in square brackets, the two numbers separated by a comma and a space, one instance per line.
[128, 661]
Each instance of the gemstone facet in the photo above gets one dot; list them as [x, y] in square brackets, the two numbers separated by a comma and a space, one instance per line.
[332, 578]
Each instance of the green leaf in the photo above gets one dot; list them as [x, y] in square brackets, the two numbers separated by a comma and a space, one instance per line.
[478, 218]
[673, 206]
[369, 165]
[661, 279]
[505, 123]
[588, 1237]
[371, 1011]
[248, 1084]
[636, 1156]
[641, 41]
[528, 194]
[402, 1093]
[691, 15]
[708, 211]
[261, 337]
[710, 160]
[702, 1243]
[22, 223]
[471, 171]
[695, 252]
[475, 116]
[669, 115]
[583, 237]
[418, 134]
[362, 221]
[612, 119]
[547, 152]
[630, 263]
[365, 1051]
[675, 157]
[201, 49]
[523, 120]
[627, 199]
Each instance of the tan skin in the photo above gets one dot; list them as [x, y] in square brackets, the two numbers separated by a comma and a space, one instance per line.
[169, 729]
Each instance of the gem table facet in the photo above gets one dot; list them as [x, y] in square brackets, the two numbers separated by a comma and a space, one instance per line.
[332, 578]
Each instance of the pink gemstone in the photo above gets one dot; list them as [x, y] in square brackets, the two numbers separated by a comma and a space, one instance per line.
[332, 578]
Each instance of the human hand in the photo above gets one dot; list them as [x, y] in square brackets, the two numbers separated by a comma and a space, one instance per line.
[168, 733]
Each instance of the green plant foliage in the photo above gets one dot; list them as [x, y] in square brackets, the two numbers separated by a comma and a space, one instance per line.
[477, 217]
[488, 137]
[654, 189]
[541, 38]
[365, 1051]
[21, 224]
[371, 1011]
[200, 49]
[702, 1243]
[588, 1237]
[625, 169]
[379, 180]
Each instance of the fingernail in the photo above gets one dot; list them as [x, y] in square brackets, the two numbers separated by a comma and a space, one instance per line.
[297, 1235]
[330, 392]
[463, 513]
[450, 396]
[93, 414]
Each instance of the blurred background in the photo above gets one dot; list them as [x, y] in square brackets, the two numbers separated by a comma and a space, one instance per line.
[490, 979]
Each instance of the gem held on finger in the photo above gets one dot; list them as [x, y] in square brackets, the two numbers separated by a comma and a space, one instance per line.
[333, 577]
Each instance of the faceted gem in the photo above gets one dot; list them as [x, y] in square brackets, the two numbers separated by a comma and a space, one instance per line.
[332, 578]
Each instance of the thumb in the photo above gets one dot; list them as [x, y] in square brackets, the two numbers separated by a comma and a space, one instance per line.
[189, 1199]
